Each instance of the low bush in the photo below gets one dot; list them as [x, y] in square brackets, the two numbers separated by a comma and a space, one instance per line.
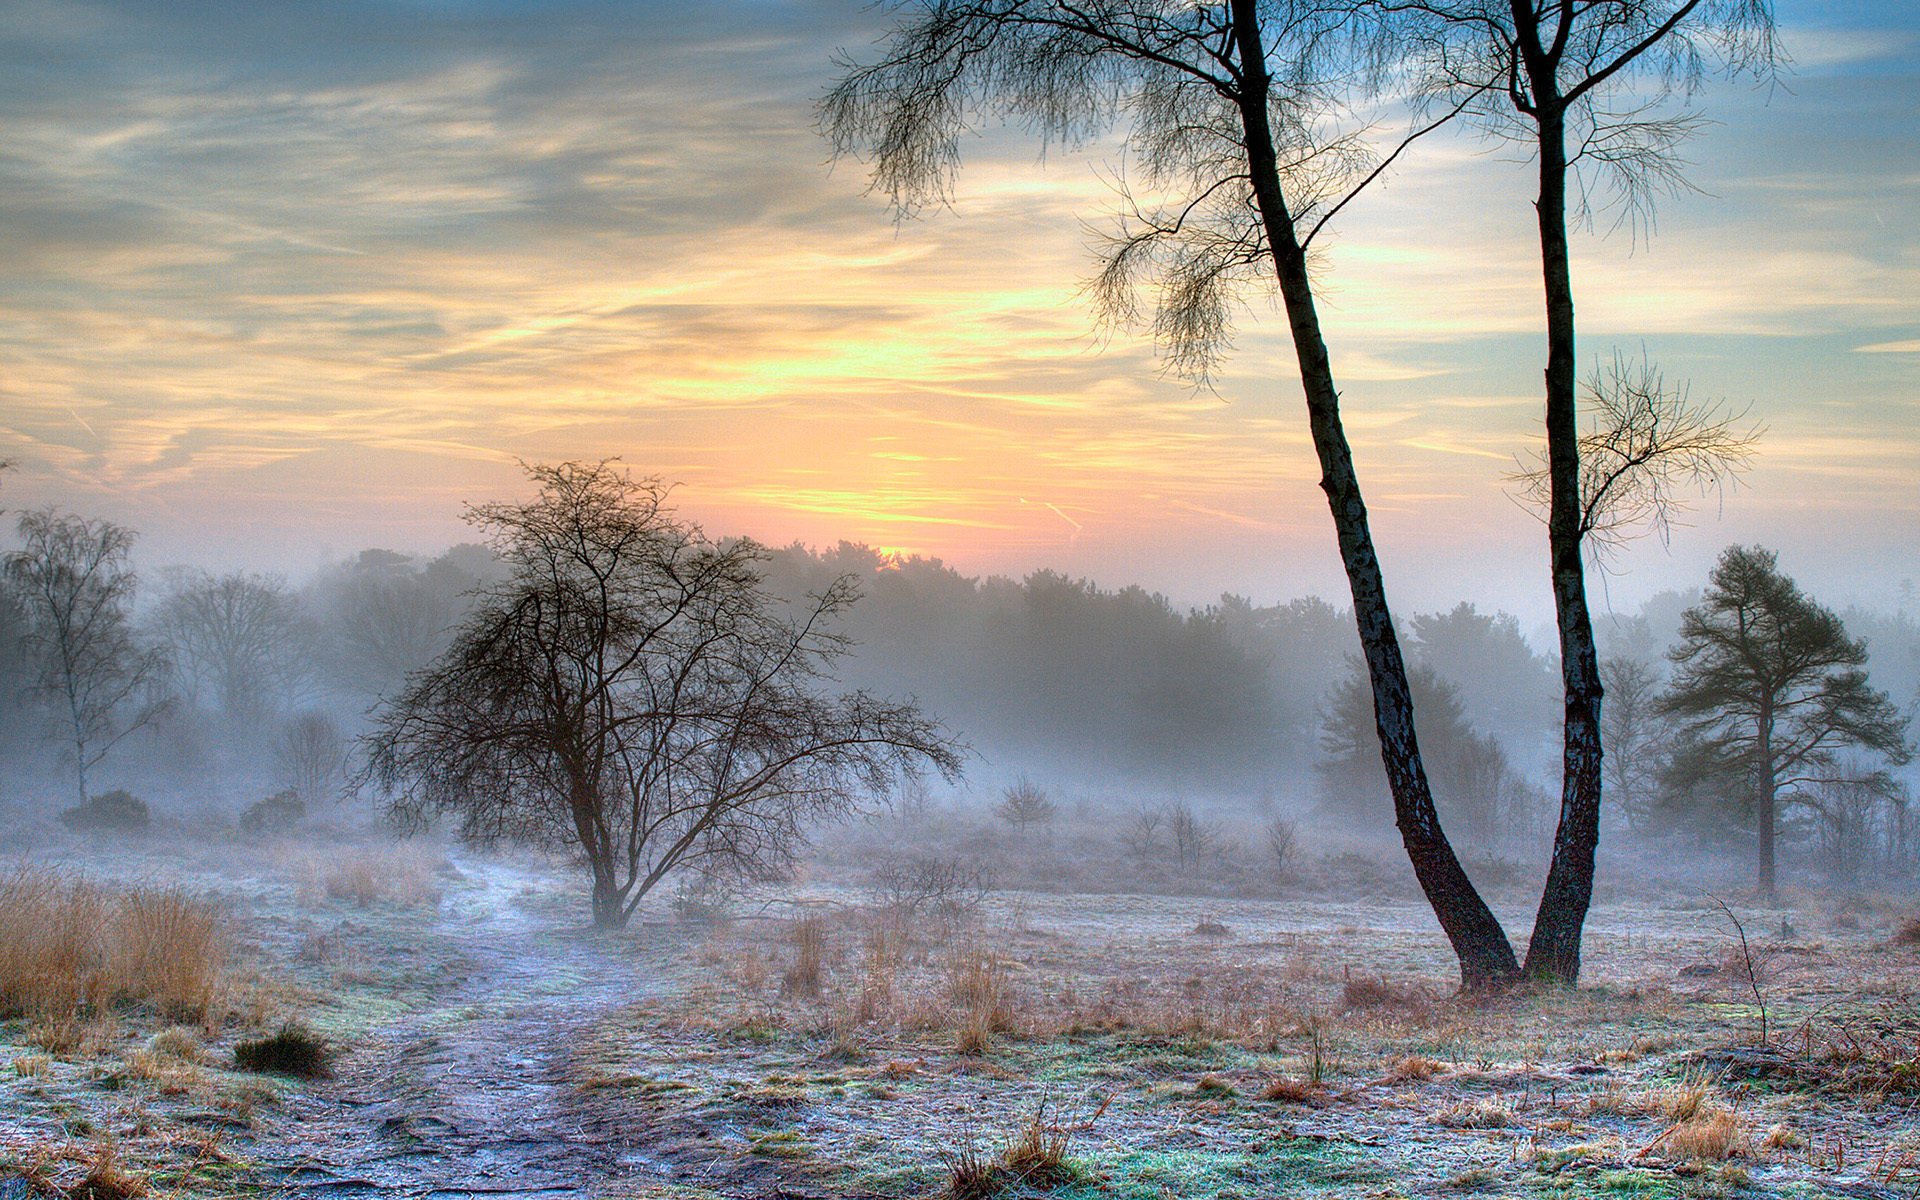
[278, 813]
[109, 812]
[292, 1050]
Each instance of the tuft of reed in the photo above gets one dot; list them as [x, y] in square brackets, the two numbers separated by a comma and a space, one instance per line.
[71, 948]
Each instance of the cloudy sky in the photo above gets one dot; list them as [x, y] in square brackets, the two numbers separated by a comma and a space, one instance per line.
[278, 281]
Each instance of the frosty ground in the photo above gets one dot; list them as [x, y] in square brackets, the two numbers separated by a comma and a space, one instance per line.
[808, 1040]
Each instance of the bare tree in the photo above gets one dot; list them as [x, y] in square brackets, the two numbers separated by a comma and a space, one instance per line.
[1141, 833]
[75, 583]
[1193, 835]
[1230, 107]
[242, 638]
[1649, 450]
[1632, 731]
[632, 691]
[1584, 86]
[311, 755]
[1282, 840]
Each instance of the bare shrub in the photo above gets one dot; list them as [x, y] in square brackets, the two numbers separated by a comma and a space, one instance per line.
[1140, 835]
[1282, 842]
[948, 891]
[1192, 835]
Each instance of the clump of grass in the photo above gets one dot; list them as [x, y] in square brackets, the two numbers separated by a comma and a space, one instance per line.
[1288, 1090]
[70, 1036]
[178, 1042]
[808, 971]
[1366, 992]
[977, 985]
[106, 1179]
[1036, 1159]
[292, 1050]
[70, 946]
[32, 1066]
[1414, 1068]
[405, 876]
[1711, 1134]
[1215, 1087]
[1482, 1113]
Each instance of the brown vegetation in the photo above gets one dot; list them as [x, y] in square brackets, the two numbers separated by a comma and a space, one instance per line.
[71, 948]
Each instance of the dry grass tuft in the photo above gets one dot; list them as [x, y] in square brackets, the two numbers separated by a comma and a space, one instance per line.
[178, 1042]
[70, 947]
[1287, 1090]
[106, 1179]
[1414, 1068]
[808, 971]
[406, 875]
[977, 986]
[1037, 1159]
[32, 1066]
[1483, 1113]
[1373, 992]
[1711, 1134]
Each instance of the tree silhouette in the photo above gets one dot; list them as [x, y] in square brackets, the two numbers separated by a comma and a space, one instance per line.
[1227, 108]
[1770, 691]
[1583, 86]
[632, 692]
[75, 585]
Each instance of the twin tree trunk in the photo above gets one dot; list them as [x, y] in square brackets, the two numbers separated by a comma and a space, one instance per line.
[1486, 957]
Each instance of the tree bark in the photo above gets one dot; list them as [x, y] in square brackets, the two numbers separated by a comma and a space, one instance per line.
[1553, 953]
[1765, 804]
[1486, 956]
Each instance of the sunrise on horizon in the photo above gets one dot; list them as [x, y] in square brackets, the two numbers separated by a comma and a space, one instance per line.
[284, 280]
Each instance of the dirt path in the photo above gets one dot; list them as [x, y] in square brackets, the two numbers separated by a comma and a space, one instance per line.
[471, 1094]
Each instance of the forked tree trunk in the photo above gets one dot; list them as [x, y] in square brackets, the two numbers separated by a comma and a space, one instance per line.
[1553, 954]
[1486, 956]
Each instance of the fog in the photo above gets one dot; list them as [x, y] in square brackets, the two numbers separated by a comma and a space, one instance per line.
[1111, 699]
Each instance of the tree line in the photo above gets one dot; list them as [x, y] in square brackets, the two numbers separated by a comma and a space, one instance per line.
[1742, 717]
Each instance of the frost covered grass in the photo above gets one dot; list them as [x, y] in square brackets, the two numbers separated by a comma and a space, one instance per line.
[823, 1042]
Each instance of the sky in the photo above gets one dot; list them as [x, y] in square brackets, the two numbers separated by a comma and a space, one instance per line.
[281, 281]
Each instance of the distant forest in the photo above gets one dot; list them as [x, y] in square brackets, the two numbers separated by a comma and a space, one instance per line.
[1110, 695]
